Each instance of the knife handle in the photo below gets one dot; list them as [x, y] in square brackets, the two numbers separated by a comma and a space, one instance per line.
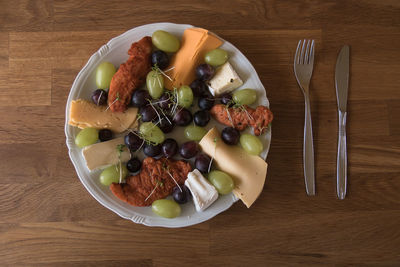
[308, 150]
[342, 157]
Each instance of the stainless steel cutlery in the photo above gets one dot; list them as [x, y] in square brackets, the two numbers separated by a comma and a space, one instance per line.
[303, 68]
[342, 86]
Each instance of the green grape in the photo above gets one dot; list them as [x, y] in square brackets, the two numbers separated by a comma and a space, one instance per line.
[155, 84]
[245, 96]
[104, 73]
[195, 133]
[185, 96]
[165, 41]
[216, 57]
[113, 174]
[166, 208]
[86, 137]
[221, 181]
[251, 144]
[151, 132]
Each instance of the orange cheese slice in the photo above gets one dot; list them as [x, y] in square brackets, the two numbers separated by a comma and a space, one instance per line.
[248, 171]
[84, 114]
[196, 42]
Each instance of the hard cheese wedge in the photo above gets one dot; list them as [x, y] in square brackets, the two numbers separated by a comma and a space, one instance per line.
[248, 171]
[196, 42]
[105, 153]
[85, 114]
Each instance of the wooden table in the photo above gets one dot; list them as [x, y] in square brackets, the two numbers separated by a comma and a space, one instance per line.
[47, 218]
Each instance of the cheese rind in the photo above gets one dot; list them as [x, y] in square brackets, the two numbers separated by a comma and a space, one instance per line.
[196, 42]
[248, 171]
[225, 80]
[84, 114]
[204, 194]
[102, 154]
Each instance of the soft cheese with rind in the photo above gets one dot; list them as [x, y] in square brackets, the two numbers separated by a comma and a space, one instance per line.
[196, 42]
[225, 80]
[102, 154]
[204, 194]
[84, 114]
[248, 171]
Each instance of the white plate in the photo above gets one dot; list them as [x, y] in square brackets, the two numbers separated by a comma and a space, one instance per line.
[115, 51]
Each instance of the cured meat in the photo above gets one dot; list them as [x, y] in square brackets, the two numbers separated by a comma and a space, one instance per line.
[130, 75]
[153, 182]
[241, 117]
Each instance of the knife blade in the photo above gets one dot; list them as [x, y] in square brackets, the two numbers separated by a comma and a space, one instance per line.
[342, 86]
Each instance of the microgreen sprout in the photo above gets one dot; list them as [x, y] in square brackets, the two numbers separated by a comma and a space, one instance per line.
[174, 180]
[155, 109]
[215, 150]
[98, 99]
[120, 149]
[116, 99]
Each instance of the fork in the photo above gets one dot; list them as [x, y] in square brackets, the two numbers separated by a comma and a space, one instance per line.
[303, 68]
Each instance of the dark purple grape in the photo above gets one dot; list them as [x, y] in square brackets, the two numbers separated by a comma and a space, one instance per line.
[199, 88]
[201, 117]
[206, 102]
[202, 163]
[164, 101]
[140, 98]
[205, 72]
[183, 196]
[148, 113]
[133, 141]
[226, 99]
[183, 117]
[99, 97]
[230, 136]
[134, 165]
[165, 125]
[151, 150]
[105, 135]
[189, 149]
[169, 148]
[160, 58]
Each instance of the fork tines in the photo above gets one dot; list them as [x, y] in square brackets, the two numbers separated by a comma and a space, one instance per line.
[308, 49]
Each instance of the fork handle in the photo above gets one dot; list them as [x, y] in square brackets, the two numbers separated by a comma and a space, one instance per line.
[341, 171]
[308, 150]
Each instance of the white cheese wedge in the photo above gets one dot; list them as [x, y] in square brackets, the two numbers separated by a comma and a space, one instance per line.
[225, 80]
[204, 194]
[85, 114]
[102, 154]
[248, 171]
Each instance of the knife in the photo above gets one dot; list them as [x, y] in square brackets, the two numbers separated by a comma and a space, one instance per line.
[342, 86]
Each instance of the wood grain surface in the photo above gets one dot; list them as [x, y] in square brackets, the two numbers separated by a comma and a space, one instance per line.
[47, 218]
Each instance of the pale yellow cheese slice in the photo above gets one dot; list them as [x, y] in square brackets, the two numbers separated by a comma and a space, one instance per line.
[102, 154]
[248, 171]
[84, 114]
